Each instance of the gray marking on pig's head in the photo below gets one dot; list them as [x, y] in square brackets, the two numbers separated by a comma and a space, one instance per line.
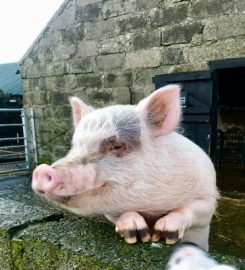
[112, 130]
[128, 127]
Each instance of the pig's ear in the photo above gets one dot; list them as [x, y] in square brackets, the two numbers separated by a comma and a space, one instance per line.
[161, 110]
[79, 109]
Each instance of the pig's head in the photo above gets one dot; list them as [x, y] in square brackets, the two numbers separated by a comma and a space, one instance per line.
[108, 147]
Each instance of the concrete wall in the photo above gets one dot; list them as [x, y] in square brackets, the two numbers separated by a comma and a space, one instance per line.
[107, 52]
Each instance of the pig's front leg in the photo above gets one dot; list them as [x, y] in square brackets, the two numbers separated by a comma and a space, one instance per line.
[130, 225]
[192, 219]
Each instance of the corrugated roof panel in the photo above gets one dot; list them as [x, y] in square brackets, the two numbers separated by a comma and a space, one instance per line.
[10, 80]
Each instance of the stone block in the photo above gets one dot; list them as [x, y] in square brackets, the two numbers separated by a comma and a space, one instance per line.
[15, 215]
[70, 82]
[143, 5]
[231, 26]
[144, 40]
[172, 55]
[62, 52]
[27, 99]
[34, 84]
[143, 76]
[56, 98]
[89, 81]
[110, 61]
[44, 55]
[74, 244]
[141, 91]
[25, 84]
[131, 23]
[48, 40]
[60, 83]
[64, 110]
[181, 33]
[114, 8]
[99, 97]
[121, 95]
[72, 34]
[51, 83]
[117, 44]
[211, 8]
[39, 97]
[88, 13]
[35, 70]
[56, 68]
[81, 65]
[88, 243]
[23, 69]
[142, 59]
[210, 31]
[102, 29]
[86, 48]
[200, 55]
[168, 15]
[224, 27]
[118, 79]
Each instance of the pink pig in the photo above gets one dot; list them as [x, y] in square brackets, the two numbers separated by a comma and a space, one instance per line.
[128, 163]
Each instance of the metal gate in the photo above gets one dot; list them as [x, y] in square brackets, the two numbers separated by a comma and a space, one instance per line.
[15, 140]
[231, 152]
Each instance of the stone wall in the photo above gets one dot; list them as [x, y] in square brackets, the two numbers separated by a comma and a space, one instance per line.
[107, 51]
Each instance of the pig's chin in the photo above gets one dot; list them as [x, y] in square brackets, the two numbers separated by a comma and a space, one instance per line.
[63, 201]
[60, 199]
[57, 200]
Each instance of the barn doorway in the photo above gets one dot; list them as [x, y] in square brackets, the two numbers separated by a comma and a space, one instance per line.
[230, 139]
[213, 107]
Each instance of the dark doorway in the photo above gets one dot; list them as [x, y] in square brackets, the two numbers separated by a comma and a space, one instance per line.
[230, 146]
[214, 116]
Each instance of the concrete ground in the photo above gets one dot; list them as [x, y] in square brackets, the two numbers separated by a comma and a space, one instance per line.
[34, 235]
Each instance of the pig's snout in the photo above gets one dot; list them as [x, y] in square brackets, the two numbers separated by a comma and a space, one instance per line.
[44, 179]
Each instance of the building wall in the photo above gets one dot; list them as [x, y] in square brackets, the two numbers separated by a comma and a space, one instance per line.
[107, 51]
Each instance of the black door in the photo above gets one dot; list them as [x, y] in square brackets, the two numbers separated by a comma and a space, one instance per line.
[198, 104]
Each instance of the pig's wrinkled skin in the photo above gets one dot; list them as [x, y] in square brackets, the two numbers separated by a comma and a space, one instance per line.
[127, 163]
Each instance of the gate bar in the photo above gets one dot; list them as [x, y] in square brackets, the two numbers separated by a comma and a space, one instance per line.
[11, 139]
[13, 170]
[9, 110]
[34, 140]
[11, 155]
[25, 134]
[12, 146]
[11, 125]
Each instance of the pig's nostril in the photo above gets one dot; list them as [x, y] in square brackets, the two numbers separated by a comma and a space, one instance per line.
[49, 178]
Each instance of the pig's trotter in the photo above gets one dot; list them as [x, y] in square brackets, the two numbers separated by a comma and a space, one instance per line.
[169, 237]
[170, 227]
[130, 225]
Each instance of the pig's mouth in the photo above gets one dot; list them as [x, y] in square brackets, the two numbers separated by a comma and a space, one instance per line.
[61, 199]
[54, 199]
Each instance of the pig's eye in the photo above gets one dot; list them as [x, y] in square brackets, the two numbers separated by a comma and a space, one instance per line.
[118, 146]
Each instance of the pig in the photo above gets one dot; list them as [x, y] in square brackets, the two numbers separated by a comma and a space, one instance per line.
[129, 163]
[188, 256]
